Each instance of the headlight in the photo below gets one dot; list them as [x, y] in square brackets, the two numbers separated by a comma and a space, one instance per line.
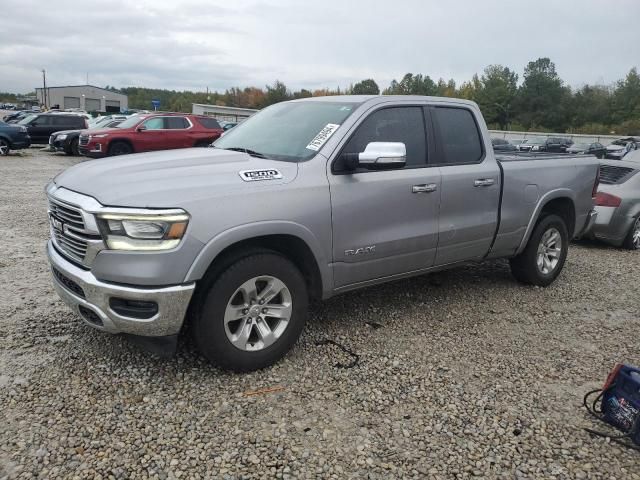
[162, 231]
[535, 147]
[23, 129]
[61, 137]
[102, 135]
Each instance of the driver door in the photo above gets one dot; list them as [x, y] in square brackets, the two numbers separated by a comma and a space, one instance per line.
[385, 222]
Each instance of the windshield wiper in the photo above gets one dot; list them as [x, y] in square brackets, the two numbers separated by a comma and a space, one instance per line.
[248, 151]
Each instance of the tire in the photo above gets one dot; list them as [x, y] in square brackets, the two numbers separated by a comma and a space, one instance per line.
[120, 148]
[73, 148]
[5, 146]
[534, 267]
[225, 309]
[632, 241]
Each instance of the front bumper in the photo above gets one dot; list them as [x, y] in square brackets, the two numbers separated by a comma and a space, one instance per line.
[93, 150]
[22, 142]
[91, 299]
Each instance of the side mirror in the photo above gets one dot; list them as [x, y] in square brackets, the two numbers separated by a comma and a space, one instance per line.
[378, 156]
[141, 128]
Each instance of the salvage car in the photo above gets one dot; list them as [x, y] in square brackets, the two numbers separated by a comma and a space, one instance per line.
[617, 149]
[303, 201]
[502, 145]
[538, 144]
[41, 125]
[67, 140]
[146, 133]
[618, 204]
[13, 137]
[584, 148]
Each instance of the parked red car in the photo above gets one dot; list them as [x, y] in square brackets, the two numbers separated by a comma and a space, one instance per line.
[144, 133]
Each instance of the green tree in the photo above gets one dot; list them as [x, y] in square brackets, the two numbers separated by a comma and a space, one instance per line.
[626, 98]
[542, 98]
[366, 87]
[497, 93]
[276, 93]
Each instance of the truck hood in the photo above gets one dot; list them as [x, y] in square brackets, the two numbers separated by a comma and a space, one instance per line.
[174, 178]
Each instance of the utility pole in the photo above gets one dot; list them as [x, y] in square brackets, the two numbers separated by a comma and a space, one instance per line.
[44, 88]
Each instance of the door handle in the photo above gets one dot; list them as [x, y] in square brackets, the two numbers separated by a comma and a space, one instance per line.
[424, 188]
[483, 182]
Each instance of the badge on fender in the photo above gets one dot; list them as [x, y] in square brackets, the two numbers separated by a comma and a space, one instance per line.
[256, 175]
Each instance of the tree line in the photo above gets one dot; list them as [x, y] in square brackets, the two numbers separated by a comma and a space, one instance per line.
[541, 102]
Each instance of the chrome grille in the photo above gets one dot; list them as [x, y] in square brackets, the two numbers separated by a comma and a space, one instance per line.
[67, 226]
[84, 140]
[68, 214]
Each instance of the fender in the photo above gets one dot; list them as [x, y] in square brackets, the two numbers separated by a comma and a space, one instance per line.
[546, 198]
[259, 229]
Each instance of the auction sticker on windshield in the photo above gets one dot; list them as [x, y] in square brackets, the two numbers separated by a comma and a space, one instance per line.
[323, 136]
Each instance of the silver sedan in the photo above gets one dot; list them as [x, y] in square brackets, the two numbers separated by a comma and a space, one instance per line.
[618, 203]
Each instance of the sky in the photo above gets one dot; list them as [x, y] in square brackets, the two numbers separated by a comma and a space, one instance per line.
[195, 44]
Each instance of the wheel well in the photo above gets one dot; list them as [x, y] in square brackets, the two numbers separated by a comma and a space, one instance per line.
[564, 208]
[289, 246]
[7, 139]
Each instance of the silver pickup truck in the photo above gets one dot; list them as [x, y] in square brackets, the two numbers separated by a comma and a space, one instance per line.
[303, 201]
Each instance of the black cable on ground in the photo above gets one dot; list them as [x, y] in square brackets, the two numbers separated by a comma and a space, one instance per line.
[355, 356]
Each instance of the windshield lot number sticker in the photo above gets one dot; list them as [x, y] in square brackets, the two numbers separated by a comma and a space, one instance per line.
[255, 175]
[322, 137]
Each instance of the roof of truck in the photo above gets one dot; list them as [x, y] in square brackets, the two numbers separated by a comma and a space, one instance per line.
[360, 99]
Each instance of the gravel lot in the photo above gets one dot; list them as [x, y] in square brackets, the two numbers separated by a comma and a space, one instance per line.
[463, 373]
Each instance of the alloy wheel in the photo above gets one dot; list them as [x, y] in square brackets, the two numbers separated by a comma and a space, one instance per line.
[635, 234]
[4, 147]
[258, 313]
[549, 251]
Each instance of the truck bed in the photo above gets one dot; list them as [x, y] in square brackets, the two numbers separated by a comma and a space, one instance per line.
[529, 181]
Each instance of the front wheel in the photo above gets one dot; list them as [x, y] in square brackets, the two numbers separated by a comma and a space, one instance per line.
[543, 258]
[120, 148]
[252, 314]
[632, 242]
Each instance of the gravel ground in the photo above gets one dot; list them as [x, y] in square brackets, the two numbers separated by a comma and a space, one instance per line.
[463, 373]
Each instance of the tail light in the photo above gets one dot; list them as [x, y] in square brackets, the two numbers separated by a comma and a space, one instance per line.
[596, 184]
[607, 200]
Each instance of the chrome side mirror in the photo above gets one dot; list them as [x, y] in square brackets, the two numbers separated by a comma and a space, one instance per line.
[378, 156]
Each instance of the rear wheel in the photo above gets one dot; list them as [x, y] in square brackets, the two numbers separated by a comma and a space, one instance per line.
[252, 314]
[632, 242]
[543, 258]
[4, 147]
[120, 148]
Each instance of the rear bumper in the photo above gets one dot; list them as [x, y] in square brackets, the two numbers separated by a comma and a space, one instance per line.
[92, 300]
[612, 225]
[592, 218]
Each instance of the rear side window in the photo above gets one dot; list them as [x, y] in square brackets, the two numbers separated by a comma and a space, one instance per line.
[176, 123]
[208, 122]
[397, 124]
[459, 136]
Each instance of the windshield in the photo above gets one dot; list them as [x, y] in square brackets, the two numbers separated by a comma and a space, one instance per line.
[131, 121]
[291, 131]
[27, 119]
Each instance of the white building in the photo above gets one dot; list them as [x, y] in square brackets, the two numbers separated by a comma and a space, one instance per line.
[83, 97]
[229, 114]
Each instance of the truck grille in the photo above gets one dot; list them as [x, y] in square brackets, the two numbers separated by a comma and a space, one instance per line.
[84, 140]
[67, 225]
[68, 214]
[611, 174]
